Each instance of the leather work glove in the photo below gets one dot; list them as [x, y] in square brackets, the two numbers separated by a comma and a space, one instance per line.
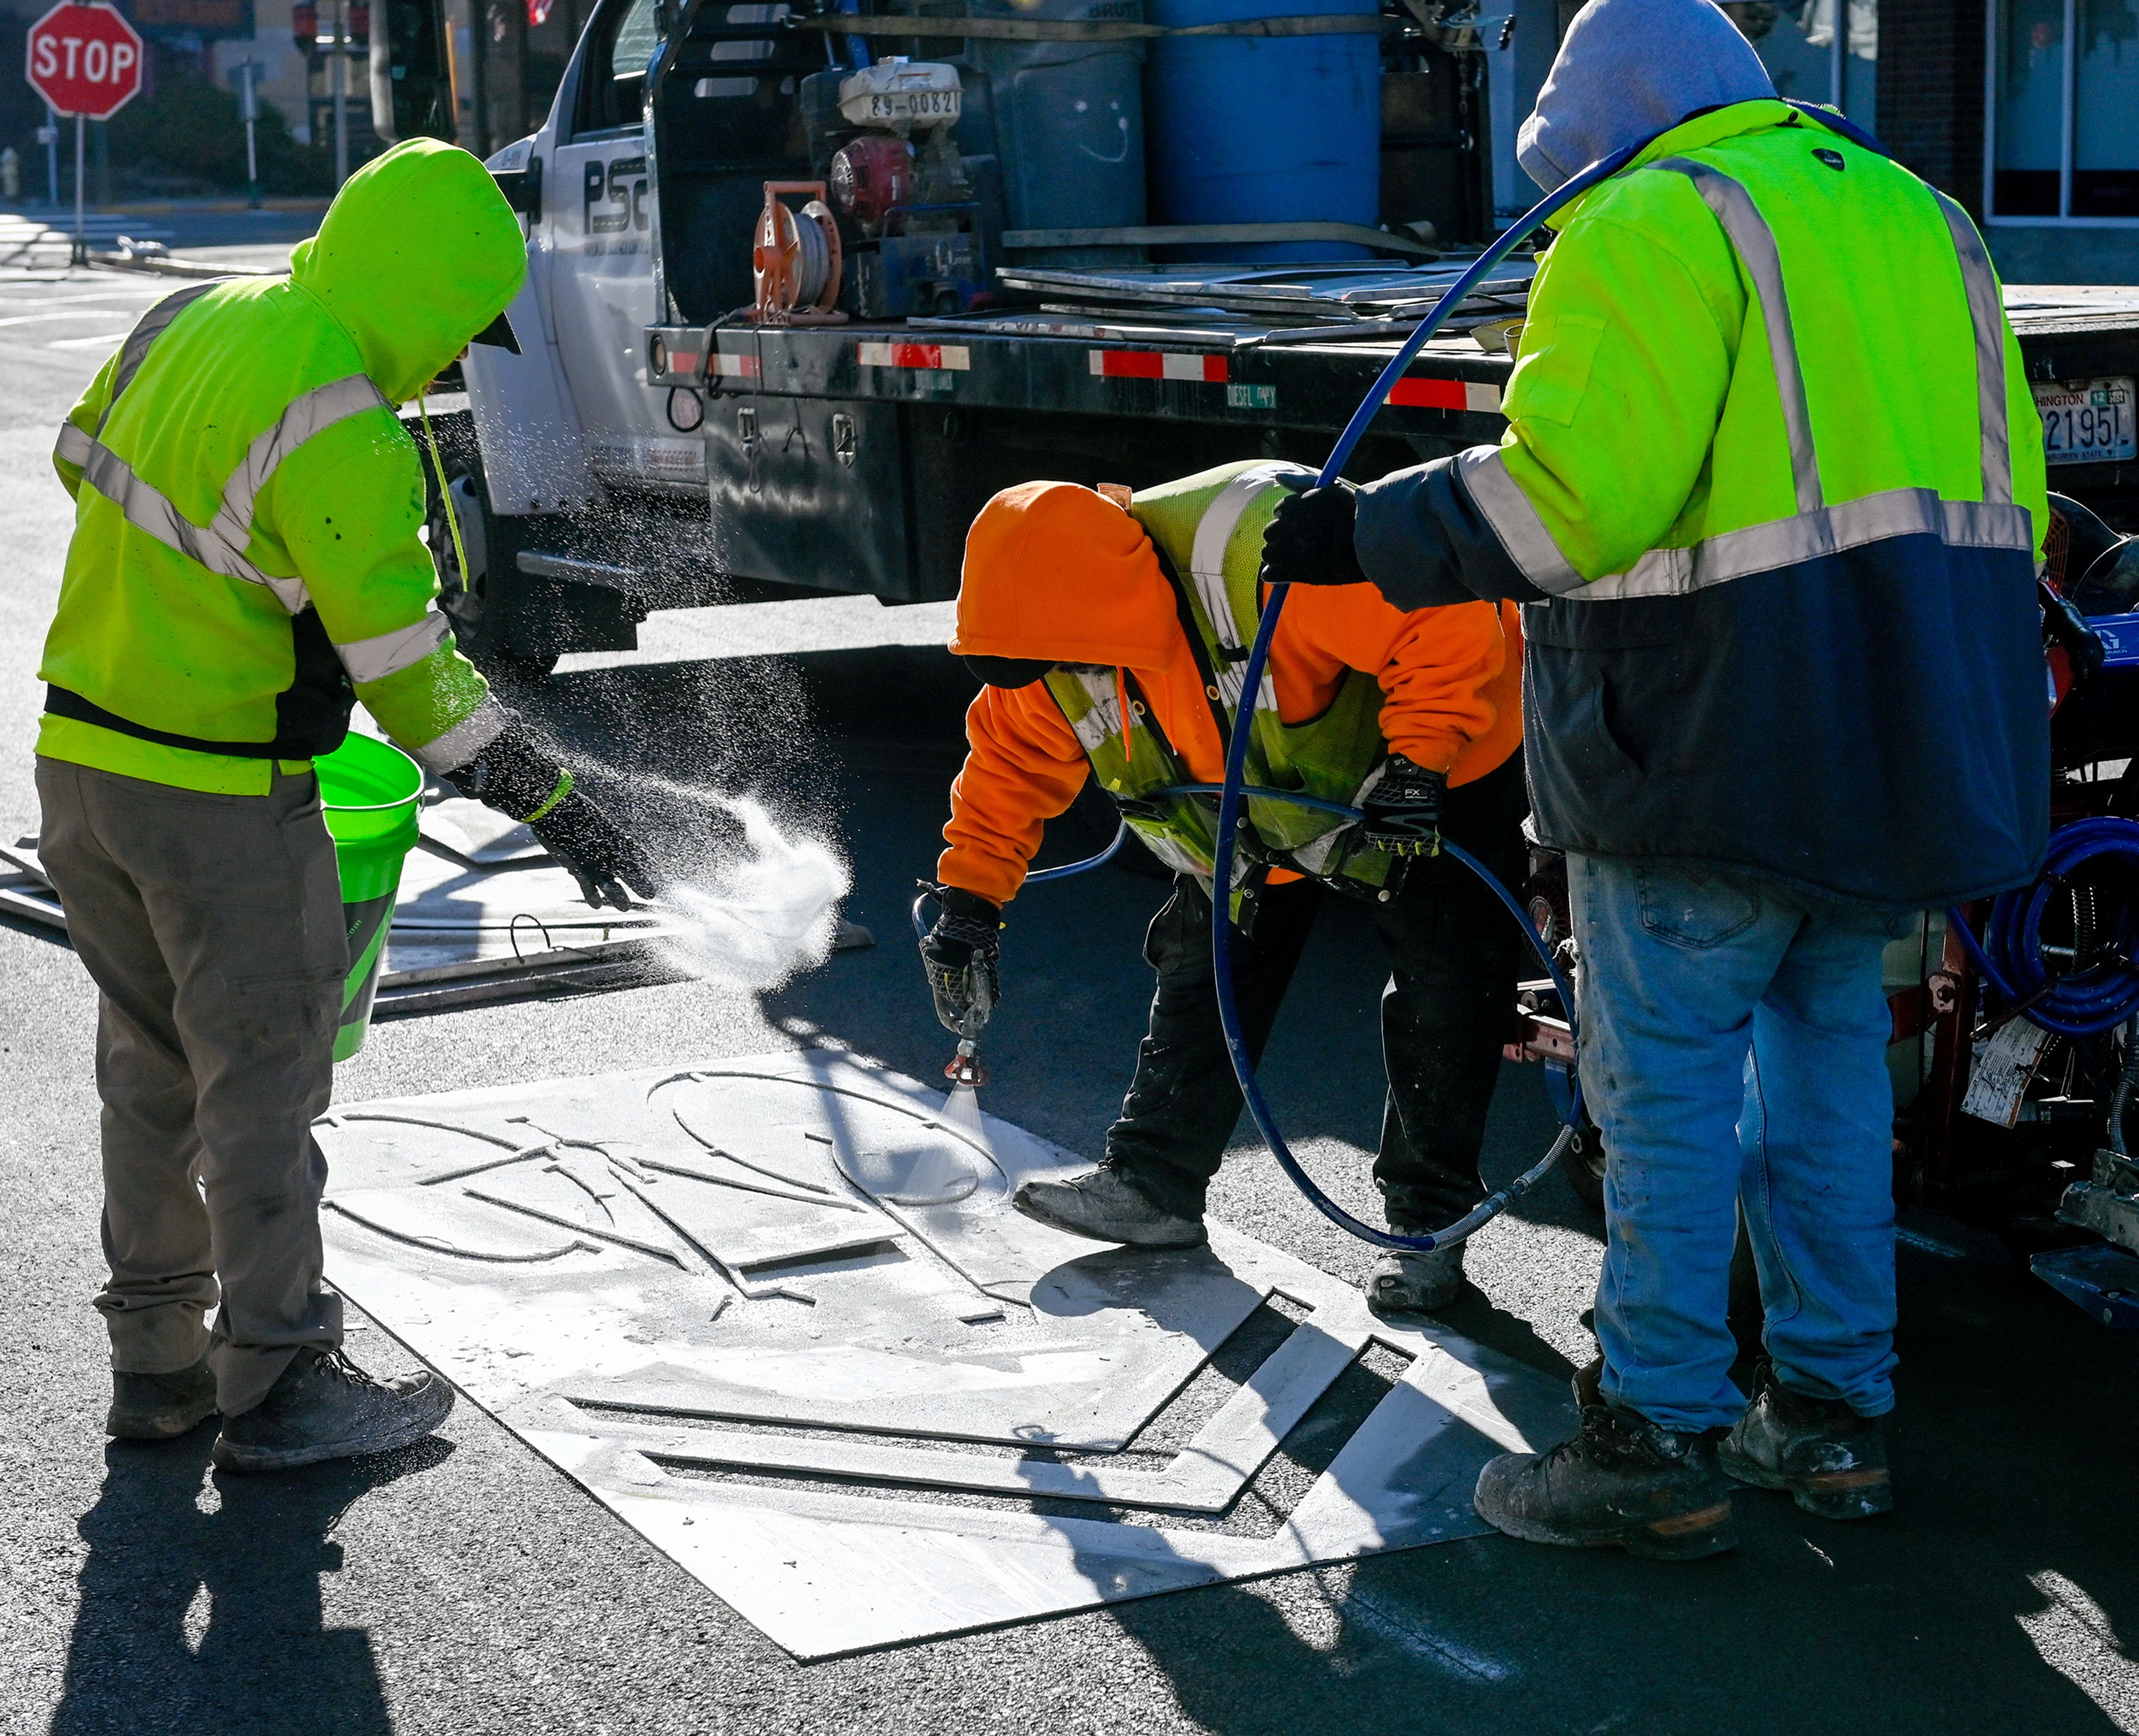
[1310, 538]
[1402, 812]
[519, 777]
[961, 955]
[2063, 624]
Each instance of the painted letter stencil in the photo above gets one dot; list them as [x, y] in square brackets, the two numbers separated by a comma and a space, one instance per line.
[776, 1313]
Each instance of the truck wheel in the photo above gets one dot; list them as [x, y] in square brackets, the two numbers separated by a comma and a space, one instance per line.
[1583, 1164]
[491, 543]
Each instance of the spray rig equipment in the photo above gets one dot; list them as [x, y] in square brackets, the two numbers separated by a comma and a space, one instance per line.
[897, 179]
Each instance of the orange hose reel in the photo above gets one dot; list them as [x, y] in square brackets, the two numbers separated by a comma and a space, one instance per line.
[797, 261]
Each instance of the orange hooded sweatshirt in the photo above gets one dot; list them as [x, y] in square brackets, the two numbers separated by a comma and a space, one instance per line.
[1055, 572]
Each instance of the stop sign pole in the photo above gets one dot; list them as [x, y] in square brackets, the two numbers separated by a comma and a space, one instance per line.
[85, 59]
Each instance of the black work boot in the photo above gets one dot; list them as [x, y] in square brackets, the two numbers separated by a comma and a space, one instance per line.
[1104, 1204]
[1623, 1483]
[323, 1406]
[1403, 1282]
[160, 1406]
[1832, 1461]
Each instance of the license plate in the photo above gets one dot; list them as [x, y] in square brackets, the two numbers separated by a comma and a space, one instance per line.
[892, 107]
[2087, 421]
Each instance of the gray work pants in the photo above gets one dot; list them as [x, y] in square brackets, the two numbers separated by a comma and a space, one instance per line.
[213, 924]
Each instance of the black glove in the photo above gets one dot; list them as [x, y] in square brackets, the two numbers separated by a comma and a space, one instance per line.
[1404, 810]
[2063, 624]
[961, 955]
[1310, 540]
[519, 777]
[602, 858]
[515, 774]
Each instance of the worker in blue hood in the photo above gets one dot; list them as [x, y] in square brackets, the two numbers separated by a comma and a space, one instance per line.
[1628, 70]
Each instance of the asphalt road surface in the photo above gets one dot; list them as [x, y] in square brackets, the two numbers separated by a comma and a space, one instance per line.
[465, 1587]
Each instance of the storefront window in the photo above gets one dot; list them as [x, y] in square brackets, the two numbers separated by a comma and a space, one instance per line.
[2031, 98]
[1819, 50]
[2105, 178]
[2064, 110]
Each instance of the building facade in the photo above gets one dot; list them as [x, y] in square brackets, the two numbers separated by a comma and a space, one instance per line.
[2027, 111]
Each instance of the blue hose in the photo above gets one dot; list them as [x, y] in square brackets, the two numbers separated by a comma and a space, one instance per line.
[2010, 953]
[1039, 877]
[1492, 881]
[1234, 792]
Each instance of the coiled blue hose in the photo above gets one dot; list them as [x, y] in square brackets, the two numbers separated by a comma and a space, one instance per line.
[2010, 954]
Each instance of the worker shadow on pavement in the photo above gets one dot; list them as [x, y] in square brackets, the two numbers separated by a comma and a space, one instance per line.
[201, 1598]
[2003, 1594]
[1298, 1652]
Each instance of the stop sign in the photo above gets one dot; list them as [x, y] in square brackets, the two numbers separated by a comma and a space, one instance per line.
[84, 59]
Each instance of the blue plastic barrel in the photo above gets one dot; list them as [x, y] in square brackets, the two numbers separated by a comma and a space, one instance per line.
[1264, 129]
[1066, 120]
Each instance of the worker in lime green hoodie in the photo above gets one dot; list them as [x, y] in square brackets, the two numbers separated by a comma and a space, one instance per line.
[246, 565]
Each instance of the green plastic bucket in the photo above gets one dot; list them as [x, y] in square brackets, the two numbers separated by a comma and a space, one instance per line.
[369, 789]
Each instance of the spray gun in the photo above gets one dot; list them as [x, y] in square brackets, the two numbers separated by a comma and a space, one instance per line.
[964, 1066]
[958, 952]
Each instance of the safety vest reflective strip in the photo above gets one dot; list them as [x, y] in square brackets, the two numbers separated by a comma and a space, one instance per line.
[1102, 723]
[1206, 562]
[1995, 521]
[219, 544]
[1229, 618]
[465, 739]
[1098, 730]
[150, 327]
[1234, 636]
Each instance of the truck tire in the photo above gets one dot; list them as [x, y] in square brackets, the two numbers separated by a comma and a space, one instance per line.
[491, 542]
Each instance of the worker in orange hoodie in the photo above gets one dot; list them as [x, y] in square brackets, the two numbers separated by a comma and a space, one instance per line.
[1109, 630]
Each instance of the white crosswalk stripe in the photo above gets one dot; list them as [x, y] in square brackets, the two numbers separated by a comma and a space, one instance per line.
[83, 312]
[28, 241]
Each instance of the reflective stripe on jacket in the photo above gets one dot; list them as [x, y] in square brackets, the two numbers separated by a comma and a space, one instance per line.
[1772, 489]
[247, 556]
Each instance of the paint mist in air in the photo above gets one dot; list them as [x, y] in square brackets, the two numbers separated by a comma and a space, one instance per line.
[755, 918]
[715, 768]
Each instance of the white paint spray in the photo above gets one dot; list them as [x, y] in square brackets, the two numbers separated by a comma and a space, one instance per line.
[961, 1109]
[755, 920]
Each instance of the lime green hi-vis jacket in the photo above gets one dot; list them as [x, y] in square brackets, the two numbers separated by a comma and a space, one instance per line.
[246, 558]
[1772, 493]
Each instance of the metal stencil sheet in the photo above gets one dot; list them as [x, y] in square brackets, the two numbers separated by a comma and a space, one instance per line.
[777, 1314]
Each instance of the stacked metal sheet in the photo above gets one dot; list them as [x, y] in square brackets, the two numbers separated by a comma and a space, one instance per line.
[1322, 297]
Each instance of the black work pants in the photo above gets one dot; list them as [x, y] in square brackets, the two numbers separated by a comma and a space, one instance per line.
[1453, 952]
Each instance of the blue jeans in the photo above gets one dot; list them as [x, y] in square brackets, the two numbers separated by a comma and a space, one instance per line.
[1734, 1035]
